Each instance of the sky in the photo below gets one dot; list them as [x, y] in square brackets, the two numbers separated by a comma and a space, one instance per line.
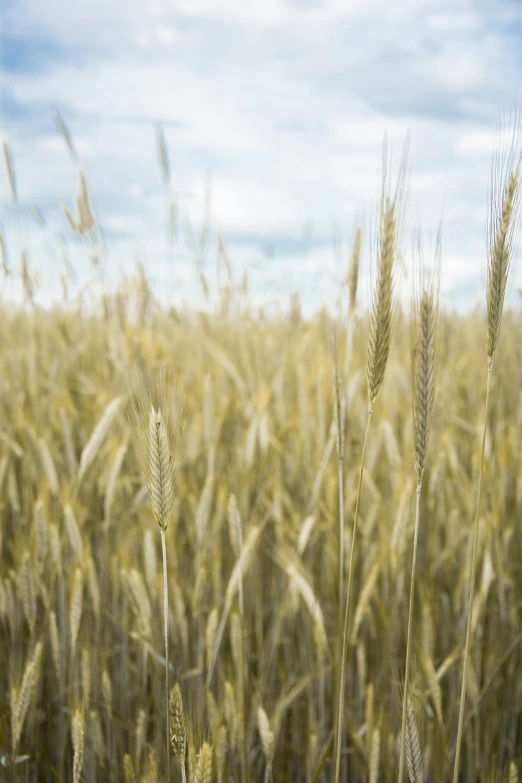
[274, 114]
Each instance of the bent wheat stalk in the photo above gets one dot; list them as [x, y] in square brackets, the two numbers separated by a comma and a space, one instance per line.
[425, 317]
[502, 226]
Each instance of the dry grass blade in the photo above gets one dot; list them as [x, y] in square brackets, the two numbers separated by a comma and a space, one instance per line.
[163, 156]
[236, 577]
[3, 255]
[365, 599]
[303, 587]
[98, 436]
[65, 135]
[10, 170]
[267, 739]
[86, 220]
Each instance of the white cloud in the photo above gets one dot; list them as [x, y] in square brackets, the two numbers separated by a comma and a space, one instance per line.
[284, 103]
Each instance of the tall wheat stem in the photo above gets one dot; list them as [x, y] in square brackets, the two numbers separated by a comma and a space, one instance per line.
[166, 630]
[472, 584]
[341, 540]
[410, 625]
[344, 656]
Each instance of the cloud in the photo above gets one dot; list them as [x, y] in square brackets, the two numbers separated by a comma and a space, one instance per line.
[282, 105]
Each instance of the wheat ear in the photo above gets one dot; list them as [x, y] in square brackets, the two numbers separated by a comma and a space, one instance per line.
[413, 747]
[381, 312]
[178, 729]
[159, 437]
[339, 431]
[505, 197]
[424, 322]
[203, 772]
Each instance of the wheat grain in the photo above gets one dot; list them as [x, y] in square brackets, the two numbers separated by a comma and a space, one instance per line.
[203, 773]
[502, 226]
[425, 319]
[22, 699]
[128, 769]
[413, 748]
[177, 726]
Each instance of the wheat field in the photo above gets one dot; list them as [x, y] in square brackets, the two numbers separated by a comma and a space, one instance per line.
[267, 431]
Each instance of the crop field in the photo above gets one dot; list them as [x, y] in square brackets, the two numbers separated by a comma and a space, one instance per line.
[206, 570]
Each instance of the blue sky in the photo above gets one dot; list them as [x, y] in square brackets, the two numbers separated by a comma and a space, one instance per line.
[281, 105]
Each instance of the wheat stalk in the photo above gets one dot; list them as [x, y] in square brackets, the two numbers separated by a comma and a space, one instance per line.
[339, 432]
[505, 195]
[159, 435]
[379, 340]
[424, 321]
